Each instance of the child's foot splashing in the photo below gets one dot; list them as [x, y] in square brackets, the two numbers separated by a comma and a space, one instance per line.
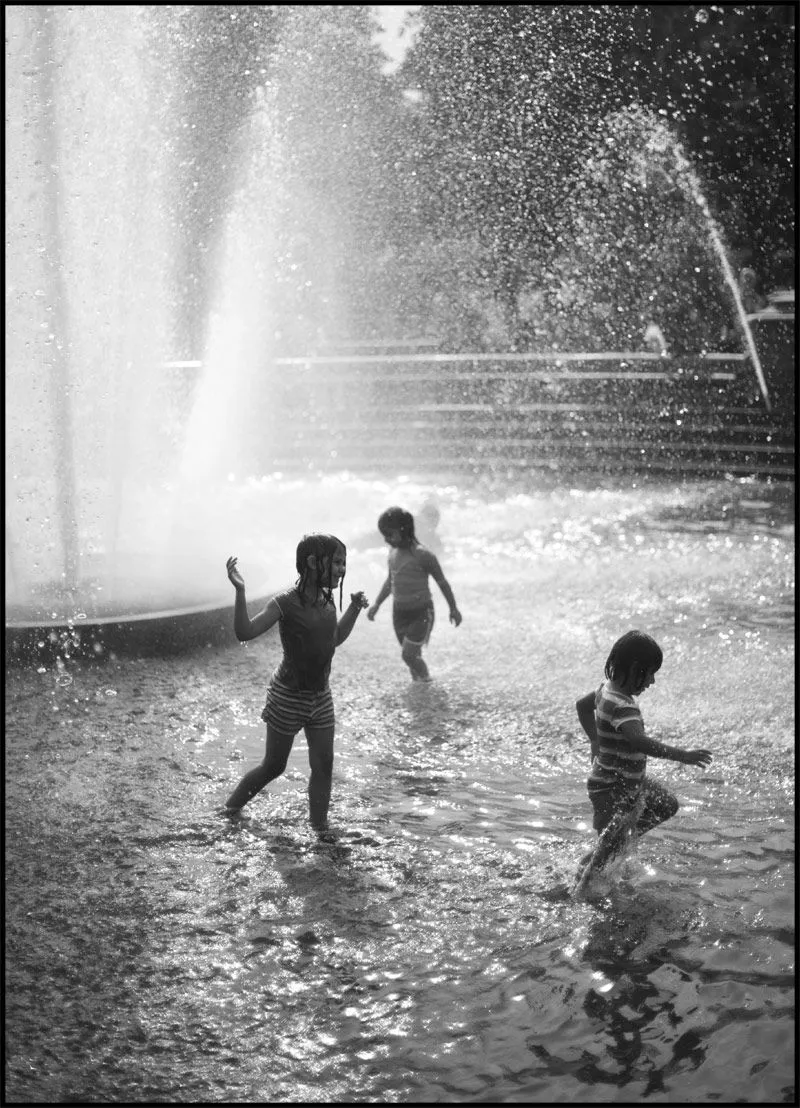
[410, 566]
[616, 842]
[626, 803]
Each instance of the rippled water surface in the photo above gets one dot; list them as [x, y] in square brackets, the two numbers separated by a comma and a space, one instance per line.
[158, 951]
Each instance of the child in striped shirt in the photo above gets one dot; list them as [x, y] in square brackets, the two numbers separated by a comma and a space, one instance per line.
[626, 802]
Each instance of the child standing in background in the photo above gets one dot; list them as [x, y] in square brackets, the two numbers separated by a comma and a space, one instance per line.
[410, 566]
[426, 523]
[626, 803]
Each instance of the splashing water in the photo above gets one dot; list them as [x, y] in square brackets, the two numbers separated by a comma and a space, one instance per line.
[687, 174]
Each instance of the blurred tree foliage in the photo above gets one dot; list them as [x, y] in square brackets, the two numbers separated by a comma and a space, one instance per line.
[491, 190]
[725, 74]
[517, 100]
[329, 176]
[340, 128]
[510, 106]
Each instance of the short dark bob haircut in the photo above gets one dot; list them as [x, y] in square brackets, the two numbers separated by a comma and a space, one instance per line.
[633, 654]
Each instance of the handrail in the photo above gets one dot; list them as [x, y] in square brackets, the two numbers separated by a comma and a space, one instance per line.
[605, 356]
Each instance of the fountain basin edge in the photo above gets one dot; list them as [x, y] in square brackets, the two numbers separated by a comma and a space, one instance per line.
[141, 634]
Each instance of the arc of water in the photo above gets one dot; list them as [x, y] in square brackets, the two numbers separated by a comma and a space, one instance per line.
[686, 170]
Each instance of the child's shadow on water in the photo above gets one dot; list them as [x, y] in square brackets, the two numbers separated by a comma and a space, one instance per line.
[632, 924]
[432, 710]
[435, 715]
[644, 997]
[345, 887]
[428, 707]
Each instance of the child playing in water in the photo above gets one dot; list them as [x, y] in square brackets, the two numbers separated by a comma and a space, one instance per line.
[298, 695]
[410, 566]
[426, 523]
[626, 803]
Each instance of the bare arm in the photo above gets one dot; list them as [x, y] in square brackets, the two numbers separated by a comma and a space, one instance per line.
[348, 620]
[245, 628]
[585, 710]
[633, 734]
[386, 590]
[440, 579]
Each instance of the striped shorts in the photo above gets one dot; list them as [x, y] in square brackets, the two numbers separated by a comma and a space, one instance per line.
[290, 710]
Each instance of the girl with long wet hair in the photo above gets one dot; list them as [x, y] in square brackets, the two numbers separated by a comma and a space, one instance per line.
[298, 694]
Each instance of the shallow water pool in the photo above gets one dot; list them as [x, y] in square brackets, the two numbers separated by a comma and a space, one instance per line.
[159, 951]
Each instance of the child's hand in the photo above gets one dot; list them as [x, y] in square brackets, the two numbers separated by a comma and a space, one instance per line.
[455, 616]
[372, 612]
[697, 757]
[234, 576]
[358, 600]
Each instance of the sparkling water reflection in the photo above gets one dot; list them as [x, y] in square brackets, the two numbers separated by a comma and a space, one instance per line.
[157, 951]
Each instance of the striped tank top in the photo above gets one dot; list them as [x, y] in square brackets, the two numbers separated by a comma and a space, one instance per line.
[615, 763]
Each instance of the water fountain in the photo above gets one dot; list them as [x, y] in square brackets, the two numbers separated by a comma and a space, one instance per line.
[639, 190]
[147, 225]
[663, 142]
[113, 513]
[126, 471]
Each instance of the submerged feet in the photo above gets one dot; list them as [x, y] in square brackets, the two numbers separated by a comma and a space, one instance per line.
[609, 848]
[231, 813]
[590, 864]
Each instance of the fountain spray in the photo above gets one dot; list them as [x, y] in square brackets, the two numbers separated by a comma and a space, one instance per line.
[687, 174]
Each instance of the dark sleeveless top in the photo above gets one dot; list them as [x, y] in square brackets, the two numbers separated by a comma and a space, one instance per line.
[308, 638]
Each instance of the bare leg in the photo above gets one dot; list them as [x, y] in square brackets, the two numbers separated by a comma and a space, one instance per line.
[655, 805]
[612, 840]
[412, 656]
[320, 759]
[278, 749]
[615, 820]
[659, 805]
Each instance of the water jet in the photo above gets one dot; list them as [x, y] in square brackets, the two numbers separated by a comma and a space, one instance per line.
[109, 528]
